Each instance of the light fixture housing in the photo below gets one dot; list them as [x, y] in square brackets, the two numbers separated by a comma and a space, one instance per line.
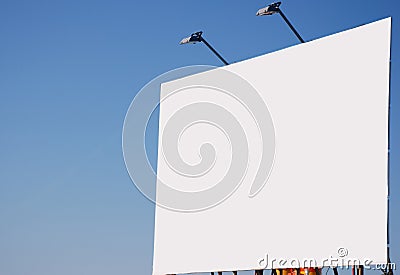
[269, 10]
[192, 39]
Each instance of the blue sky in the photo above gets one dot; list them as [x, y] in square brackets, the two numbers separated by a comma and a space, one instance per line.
[68, 72]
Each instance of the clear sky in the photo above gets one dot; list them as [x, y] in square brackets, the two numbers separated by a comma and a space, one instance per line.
[68, 72]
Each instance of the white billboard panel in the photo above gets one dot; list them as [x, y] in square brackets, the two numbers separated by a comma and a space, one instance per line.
[277, 160]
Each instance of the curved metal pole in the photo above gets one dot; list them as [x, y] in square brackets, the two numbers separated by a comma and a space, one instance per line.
[214, 51]
[291, 26]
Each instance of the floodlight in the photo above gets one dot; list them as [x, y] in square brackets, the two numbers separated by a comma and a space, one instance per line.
[269, 10]
[192, 39]
[197, 37]
[274, 8]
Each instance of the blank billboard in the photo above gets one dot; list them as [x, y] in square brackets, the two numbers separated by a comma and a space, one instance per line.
[277, 161]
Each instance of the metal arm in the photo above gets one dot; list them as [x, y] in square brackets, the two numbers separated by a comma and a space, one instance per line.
[214, 51]
[291, 26]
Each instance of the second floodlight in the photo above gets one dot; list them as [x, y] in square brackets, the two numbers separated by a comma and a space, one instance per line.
[269, 10]
[274, 8]
[194, 38]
